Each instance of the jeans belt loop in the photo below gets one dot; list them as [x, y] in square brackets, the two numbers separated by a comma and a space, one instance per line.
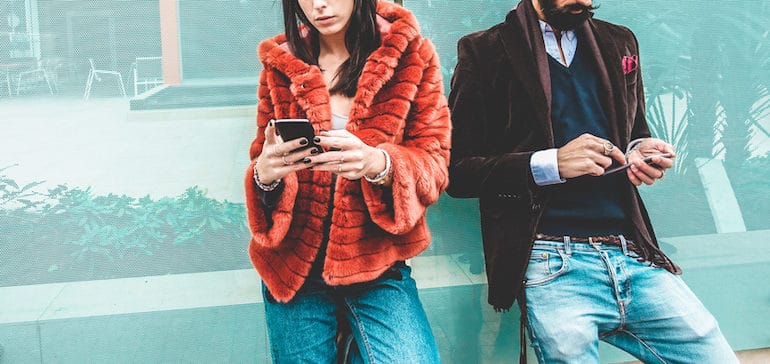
[567, 245]
[623, 244]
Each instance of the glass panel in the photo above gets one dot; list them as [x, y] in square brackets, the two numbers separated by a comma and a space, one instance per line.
[122, 228]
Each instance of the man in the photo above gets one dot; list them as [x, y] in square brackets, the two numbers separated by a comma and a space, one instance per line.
[543, 105]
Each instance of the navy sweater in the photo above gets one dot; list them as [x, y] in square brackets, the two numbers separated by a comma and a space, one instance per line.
[587, 205]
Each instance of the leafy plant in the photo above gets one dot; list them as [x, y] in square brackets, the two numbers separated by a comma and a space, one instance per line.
[13, 196]
[111, 227]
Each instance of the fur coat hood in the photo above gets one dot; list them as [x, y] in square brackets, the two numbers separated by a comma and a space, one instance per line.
[400, 107]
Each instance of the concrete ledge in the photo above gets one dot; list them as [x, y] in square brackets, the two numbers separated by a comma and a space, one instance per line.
[226, 112]
[70, 300]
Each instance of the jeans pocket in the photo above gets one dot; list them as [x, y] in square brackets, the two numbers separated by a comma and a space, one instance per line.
[545, 265]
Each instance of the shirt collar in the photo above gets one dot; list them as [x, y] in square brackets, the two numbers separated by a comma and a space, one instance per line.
[546, 28]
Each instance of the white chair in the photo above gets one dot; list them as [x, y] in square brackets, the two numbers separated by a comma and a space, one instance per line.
[148, 73]
[32, 76]
[94, 74]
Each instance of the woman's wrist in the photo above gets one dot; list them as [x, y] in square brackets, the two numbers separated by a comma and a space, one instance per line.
[382, 177]
[267, 187]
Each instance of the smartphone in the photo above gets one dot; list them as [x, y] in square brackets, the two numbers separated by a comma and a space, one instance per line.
[290, 129]
[647, 160]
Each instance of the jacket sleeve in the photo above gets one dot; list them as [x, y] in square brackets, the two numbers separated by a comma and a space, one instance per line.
[419, 161]
[268, 226]
[475, 170]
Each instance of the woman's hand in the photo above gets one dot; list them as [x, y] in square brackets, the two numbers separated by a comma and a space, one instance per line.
[278, 158]
[641, 172]
[347, 156]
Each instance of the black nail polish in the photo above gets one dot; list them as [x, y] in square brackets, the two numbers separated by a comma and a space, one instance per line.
[306, 160]
[315, 151]
[317, 140]
[303, 141]
[270, 123]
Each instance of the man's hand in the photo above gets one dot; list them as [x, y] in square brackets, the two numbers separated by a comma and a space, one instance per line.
[587, 154]
[641, 172]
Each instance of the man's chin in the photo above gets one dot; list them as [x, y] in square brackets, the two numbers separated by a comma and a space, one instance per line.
[567, 21]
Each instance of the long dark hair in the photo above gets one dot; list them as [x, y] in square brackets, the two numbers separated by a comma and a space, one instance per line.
[361, 39]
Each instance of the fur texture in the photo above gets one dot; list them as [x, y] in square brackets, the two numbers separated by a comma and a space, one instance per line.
[399, 107]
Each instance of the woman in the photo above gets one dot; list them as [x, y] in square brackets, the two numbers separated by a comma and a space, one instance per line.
[331, 228]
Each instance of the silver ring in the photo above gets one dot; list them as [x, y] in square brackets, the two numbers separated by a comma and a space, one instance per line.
[285, 162]
[339, 168]
[608, 147]
[342, 159]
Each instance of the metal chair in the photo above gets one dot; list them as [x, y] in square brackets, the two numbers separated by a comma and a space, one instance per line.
[94, 74]
[35, 75]
[148, 73]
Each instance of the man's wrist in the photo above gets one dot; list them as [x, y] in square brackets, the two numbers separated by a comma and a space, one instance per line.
[544, 165]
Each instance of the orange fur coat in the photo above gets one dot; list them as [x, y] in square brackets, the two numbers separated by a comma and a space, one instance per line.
[399, 107]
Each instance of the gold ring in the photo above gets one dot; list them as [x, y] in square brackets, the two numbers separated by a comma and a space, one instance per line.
[608, 147]
[285, 162]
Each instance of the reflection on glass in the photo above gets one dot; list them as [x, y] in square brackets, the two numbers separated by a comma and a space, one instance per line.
[149, 185]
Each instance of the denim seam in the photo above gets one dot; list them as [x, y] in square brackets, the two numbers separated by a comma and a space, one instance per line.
[533, 341]
[360, 326]
[609, 267]
[644, 343]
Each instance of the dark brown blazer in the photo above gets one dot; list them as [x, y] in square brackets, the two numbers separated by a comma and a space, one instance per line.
[500, 103]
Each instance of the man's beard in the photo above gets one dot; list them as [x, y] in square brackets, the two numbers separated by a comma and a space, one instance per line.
[561, 18]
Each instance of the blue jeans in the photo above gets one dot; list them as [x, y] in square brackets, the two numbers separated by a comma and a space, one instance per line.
[387, 319]
[580, 293]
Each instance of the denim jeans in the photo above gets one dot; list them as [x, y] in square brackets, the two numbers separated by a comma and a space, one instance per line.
[580, 293]
[387, 319]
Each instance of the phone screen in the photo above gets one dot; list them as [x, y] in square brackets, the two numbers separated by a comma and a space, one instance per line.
[290, 129]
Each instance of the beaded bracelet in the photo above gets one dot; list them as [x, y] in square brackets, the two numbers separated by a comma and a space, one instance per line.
[381, 177]
[262, 186]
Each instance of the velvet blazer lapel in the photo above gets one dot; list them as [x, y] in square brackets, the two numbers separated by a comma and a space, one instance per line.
[605, 53]
[522, 50]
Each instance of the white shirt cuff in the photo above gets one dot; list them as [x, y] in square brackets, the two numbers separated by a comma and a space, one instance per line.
[545, 167]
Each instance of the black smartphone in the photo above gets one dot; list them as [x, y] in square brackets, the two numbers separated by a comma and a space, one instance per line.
[290, 129]
[647, 160]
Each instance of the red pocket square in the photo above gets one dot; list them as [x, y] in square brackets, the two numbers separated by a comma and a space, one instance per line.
[630, 64]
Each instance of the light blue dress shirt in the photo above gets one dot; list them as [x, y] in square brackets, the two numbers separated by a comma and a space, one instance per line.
[544, 163]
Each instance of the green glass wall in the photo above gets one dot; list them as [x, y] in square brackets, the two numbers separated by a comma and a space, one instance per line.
[122, 235]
